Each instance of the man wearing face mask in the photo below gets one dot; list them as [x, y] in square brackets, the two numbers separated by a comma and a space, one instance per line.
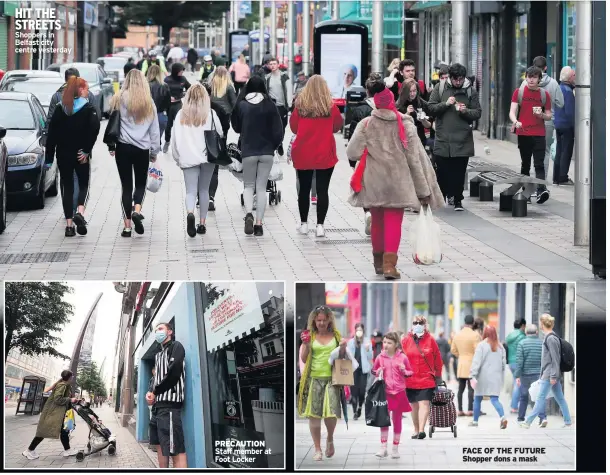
[361, 348]
[167, 395]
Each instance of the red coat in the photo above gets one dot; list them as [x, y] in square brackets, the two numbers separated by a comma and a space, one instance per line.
[422, 377]
[314, 147]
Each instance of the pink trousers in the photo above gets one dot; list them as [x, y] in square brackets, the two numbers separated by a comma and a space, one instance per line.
[386, 228]
[396, 425]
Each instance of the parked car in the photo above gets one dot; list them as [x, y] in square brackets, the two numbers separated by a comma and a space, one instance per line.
[23, 73]
[3, 167]
[100, 84]
[113, 65]
[42, 88]
[24, 119]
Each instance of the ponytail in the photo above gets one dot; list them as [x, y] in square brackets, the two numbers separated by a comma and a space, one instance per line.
[71, 91]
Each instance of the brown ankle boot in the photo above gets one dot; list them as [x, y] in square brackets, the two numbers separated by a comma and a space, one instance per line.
[378, 262]
[389, 265]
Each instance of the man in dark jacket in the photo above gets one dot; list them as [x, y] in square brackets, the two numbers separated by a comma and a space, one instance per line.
[276, 82]
[207, 70]
[564, 128]
[192, 57]
[445, 348]
[528, 361]
[455, 106]
[178, 85]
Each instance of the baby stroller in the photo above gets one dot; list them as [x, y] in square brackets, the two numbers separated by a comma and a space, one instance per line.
[442, 410]
[275, 196]
[100, 436]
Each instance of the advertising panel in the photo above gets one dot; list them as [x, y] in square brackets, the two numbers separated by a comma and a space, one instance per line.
[336, 295]
[341, 62]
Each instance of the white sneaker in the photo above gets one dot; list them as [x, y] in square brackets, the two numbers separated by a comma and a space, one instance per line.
[367, 223]
[383, 451]
[543, 424]
[395, 454]
[70, 453]
[303, 228]
[320, 231]
[30, 454]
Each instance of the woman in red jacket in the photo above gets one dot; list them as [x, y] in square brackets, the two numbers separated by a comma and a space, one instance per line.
[314, 121]
[425, 358]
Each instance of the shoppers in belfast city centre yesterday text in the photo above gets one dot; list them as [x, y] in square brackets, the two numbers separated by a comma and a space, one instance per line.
[550, 374]
[72, 133]
[258, 121]
[361, 348]
[189, 150]
[487, 374]
[277, 87]
[395, 173]
[454, 104]
[549, 85]
[139, 142]
[463, 346]
[314, 121]
[318, 399]
[564, 127]
[392, 365]
[51, 422]
[528, 115]
[527, 370]
[167, 399]
[512, 342]
[427, 365]
[178, 85]
[161, 96]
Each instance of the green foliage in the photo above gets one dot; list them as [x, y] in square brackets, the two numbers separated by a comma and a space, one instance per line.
[89, 379]
[248, 22]
[34, 311]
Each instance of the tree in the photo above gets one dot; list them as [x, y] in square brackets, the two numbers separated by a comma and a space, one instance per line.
[168, 15]
[34, 312]
[90, 380]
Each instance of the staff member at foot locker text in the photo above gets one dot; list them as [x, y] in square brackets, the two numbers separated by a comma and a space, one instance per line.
[168, 397]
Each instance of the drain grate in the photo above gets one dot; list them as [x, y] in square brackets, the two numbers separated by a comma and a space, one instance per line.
[345, 241]
[338, 230]
[203, 250]
[34, 258]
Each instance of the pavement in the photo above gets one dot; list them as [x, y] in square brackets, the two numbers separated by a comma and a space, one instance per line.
[20, 430]
[356, 445]
[480, 244]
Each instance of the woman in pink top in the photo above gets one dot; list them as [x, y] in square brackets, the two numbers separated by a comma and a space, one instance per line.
[241, 71]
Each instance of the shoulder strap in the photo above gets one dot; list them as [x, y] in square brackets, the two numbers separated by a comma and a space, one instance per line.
[441, 89]
[520, 94]
[423, 356]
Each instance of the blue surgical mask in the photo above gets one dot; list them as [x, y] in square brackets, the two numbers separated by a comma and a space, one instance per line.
[418, 329]
[160, 336]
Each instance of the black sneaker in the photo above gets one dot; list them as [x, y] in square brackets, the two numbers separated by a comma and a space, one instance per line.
[543, 196]
[249, 226]
[70, 231]
[258, 229]
[137, 222]
[165, 147]
[201, 229]
[81, 224]
[190, 225]
[450, 201]
[126, 232]
[457, 206]
[566, 183]
[211, 206]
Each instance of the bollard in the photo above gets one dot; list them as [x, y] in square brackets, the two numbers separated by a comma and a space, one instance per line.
[486, 191]
[474, 187]
[519, 206]
[506, 201]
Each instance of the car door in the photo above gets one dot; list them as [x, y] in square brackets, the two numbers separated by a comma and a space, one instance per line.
[41, 119]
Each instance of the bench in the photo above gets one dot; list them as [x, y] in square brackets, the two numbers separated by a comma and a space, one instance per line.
[489, 175]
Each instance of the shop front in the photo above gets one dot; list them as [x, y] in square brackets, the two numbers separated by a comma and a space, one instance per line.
[233, 335]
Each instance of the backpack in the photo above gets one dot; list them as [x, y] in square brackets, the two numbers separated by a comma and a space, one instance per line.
[441, 89]
[566, 351]
[520, 97]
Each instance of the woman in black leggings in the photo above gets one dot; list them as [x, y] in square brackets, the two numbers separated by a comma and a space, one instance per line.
[51, 422]
[139, 143]
[72, 134]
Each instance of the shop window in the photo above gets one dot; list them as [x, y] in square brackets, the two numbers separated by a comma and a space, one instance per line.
[521, 47]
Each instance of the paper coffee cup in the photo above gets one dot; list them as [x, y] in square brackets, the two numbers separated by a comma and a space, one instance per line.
[457, 106]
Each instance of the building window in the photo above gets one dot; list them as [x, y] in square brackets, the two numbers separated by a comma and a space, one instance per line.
[569, 21]
[270, 348]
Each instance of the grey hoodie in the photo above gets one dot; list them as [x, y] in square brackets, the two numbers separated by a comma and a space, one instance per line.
[551, 358]
[145, 136]
[552, 87]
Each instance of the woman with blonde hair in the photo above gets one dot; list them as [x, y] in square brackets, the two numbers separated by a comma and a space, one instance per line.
[139, 142]
[318, 399]
[160, 94]
[241, 72]
[223, 92]
[190, 153]
[314, 121]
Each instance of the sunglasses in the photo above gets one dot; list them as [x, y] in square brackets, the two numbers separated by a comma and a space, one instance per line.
[418, 322]
[321, 308]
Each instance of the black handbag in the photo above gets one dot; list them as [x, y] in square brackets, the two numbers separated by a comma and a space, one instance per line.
[376, 412]
[216, 146]
[113, 129]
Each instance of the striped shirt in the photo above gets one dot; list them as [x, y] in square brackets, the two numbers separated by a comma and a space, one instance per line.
[529, 356]
[169, 375]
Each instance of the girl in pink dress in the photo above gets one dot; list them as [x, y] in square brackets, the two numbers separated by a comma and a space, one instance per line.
[394, 366]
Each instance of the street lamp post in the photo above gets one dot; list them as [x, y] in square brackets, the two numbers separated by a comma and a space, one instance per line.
[306, 36]
[261, 39]
[377, 27]
[273, 30]
[459, 28]
[290, 39]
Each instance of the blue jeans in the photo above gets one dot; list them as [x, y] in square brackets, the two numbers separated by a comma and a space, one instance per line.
[539, 406]
[494, 402]
[162, 124]
[526, 381]
[514, 400]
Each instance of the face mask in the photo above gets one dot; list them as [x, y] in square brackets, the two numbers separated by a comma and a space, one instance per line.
[359, 334]
[418, 329]
[160, 336]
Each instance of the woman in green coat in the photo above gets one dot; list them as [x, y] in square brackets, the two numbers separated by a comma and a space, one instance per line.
[51, 423]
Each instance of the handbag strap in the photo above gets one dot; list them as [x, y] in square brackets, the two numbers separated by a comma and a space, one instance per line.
[423, 356]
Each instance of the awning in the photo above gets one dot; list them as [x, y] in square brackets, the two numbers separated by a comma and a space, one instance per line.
[421, 6]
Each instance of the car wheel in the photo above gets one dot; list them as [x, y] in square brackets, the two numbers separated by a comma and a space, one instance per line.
[39, 198]
[3, 209]
[54, 188]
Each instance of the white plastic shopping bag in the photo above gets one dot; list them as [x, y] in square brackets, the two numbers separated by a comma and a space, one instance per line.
[289, 151]
[155, 177]
[425, 239]
[236, 166]
[276, 173]
[554, 146]
[535, 390]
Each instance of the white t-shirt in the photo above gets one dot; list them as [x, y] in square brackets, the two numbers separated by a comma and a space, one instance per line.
[188, 142]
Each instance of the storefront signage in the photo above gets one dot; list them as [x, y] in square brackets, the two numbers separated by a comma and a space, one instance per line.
[89, 14]
[235, 313]
[336, 295]
[232, 411]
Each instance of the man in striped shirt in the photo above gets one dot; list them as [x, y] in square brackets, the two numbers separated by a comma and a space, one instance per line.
[167, 395]
[527, 369]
